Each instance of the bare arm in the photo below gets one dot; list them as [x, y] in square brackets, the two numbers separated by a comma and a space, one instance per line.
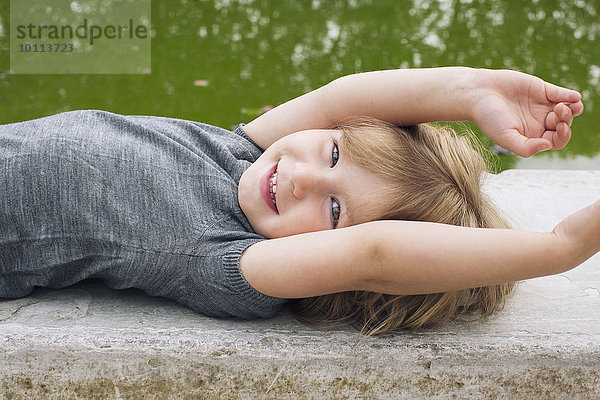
[441, 258]
[518, 111]
[401, 257]
[403, 97]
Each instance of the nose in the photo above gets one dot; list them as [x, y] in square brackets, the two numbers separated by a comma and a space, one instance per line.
[307, 180]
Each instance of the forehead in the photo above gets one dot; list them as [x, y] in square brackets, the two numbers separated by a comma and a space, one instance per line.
[312, 134]
[365, 194]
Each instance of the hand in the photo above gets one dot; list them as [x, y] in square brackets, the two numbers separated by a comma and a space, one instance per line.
[522, 113]
[580, 232]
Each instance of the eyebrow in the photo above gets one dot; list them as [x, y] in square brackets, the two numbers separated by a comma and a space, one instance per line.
[346, 215]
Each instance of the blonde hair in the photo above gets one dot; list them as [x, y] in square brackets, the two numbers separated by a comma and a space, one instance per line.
[434, 175]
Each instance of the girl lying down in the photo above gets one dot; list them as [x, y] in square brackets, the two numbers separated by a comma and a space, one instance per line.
[342, 203]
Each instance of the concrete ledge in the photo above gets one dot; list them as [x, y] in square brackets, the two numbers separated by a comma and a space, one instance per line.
[92, 342]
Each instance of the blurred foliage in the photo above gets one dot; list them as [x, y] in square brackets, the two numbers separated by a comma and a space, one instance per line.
[221, 62]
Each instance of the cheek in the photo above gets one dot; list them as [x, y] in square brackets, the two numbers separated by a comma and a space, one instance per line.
[303, 219]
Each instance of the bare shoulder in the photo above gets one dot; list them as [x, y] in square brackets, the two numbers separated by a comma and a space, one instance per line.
[311, 264]
[301, 113]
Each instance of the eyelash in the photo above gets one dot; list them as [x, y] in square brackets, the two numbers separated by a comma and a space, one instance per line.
[335, 150]
[335, 206]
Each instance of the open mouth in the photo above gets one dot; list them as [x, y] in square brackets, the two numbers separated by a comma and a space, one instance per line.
[268, 188]
[273, 188]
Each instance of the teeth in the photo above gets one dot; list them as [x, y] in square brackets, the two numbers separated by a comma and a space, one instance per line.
[273, 187]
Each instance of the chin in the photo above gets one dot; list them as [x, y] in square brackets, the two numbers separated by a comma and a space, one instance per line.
[269, 233]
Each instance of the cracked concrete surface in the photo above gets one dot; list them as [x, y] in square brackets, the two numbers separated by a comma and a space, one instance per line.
[88, 341]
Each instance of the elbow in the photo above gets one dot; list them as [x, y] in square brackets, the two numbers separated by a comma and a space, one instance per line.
[373, 278]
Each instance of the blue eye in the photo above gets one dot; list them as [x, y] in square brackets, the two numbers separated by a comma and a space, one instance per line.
[335, 212]
[335, 154]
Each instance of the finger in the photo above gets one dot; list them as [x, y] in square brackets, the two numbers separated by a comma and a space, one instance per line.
[576, 108]
[551, 121]
[525, 147]
[564, 113]
[559, 94]
[559, 137]
[536, 145]
[562, 136]
[549, 136]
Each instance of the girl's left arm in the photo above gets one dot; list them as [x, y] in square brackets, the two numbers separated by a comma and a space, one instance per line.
[403, 257]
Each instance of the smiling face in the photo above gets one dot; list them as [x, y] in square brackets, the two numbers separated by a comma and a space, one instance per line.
[314, 186]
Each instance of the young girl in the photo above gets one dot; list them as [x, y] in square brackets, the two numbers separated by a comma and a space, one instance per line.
[182, 209]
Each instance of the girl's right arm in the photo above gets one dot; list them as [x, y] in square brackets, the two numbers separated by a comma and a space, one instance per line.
[518, 111]
[402, 257]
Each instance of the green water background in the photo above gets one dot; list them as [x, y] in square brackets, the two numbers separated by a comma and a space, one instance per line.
[221, 61]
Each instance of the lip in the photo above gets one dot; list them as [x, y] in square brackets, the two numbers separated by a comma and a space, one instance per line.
[264, 187]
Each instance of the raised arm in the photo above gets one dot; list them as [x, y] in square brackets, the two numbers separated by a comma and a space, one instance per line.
[518, 111]
[401, 257]
[402, 97]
